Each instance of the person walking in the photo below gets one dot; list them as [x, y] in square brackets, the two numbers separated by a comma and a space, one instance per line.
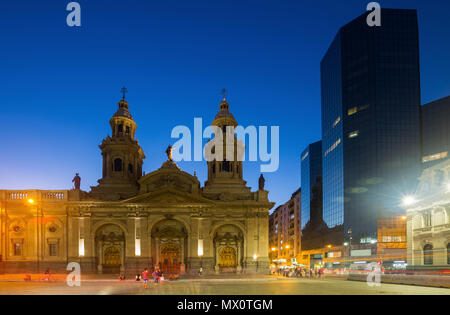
[155, 276]
[145, 275]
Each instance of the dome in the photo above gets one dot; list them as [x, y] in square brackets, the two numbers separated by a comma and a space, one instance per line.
[123, 110]
[224, 117]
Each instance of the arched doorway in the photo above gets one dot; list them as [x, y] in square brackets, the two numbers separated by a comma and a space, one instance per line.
[170, 258]
[227, 259]
[111, 260]
[169, 239]
[110, 249]
[228, 243]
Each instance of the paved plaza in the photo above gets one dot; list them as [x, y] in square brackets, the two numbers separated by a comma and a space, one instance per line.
[250, 286]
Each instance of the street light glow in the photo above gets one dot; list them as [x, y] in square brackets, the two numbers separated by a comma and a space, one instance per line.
[30, 201]
[409, 200]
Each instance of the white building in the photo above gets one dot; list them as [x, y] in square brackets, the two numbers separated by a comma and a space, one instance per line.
[428, 227]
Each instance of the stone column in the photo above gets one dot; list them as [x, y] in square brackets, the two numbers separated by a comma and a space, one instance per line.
[182, 265]
[122, 266]
[239, 267]
[100, 256]
[217, 267]
[157, 252]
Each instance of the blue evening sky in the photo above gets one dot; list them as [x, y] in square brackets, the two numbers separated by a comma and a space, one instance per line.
[59, 86]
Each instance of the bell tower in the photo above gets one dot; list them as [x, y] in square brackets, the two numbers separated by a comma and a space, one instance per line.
[122, 157]
[226, 176]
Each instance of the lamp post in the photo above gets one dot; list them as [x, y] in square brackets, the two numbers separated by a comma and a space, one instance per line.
[350, 242]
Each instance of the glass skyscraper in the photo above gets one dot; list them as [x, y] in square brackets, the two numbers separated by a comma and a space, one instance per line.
[311, 169]
[370, 121]
[436, 131]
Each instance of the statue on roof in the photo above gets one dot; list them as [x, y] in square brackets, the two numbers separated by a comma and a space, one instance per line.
[169, 152]
[77, 181]
[261, 182]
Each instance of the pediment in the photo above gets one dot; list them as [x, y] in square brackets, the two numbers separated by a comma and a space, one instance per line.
[169, 196]
[169, 176]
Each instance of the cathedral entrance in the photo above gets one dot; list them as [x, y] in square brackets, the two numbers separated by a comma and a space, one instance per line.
[228, 243]
[169, 243]
[112, 260]
[227, 259]
[110, 249]
[170, 258]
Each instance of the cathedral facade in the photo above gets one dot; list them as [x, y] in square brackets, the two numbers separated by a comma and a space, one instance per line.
[130, 221]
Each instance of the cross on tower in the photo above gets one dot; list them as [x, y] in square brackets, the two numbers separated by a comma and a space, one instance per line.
[224, 93]
[124, 91]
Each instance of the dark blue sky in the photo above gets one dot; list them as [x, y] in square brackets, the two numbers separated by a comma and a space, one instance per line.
[59, 86]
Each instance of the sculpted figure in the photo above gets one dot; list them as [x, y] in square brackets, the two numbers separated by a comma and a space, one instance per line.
[77, 181]
[262, 182]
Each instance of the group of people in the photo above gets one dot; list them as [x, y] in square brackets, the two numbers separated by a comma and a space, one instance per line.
[157, 276]
[301, 273]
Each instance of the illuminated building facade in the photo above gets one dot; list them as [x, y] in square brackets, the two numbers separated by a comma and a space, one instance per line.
[285, 231]
[130, 221]
[428, 225]
[370, 122]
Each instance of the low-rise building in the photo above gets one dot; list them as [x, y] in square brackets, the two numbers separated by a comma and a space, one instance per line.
[428, 225]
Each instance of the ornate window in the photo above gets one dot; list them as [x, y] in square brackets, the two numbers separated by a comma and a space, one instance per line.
[428, 254]
[53, 250]
[118, 165]
[427, 219]
[17, 247]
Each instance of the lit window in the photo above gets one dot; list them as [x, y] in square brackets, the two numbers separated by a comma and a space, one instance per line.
[81, 247]
[200, 248]
[334, 146]
[137, 247]
[353, 134]
[336, 121]
[305, 156]
[352, 111]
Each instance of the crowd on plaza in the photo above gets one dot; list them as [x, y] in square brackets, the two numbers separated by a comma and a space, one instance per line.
[157, 276]
[300, 273]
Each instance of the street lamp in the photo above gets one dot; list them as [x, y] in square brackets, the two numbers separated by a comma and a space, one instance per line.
[350, 242]
[408, 201]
